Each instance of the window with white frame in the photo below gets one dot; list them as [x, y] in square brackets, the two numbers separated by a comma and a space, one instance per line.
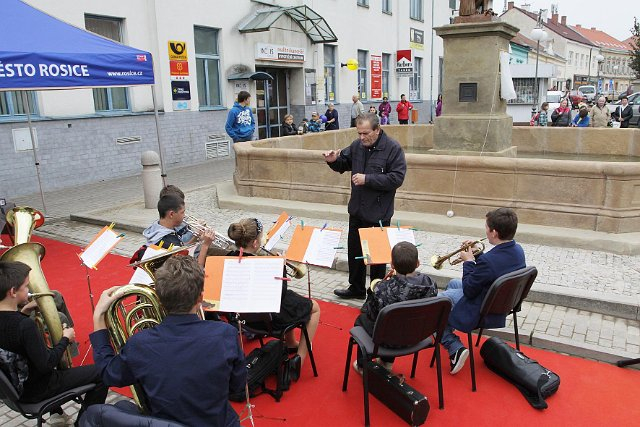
[415, 81]
[570, 61]
[330, 72]
[386, 63]
[114, 98]
[207, 66]
[386, 6]
[362, 73]
[416, 10]
[364, 3]
[524, 91]
[12, 104]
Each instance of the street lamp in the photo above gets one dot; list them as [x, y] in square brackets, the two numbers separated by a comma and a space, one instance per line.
[537, 34]
[600, 60]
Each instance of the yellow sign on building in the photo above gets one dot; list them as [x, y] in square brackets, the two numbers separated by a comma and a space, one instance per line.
[177, 50]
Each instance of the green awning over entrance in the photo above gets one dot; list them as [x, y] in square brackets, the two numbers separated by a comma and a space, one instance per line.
[313, 25]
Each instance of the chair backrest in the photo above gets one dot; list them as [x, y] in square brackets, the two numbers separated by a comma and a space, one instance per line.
[508, 291]
[406, 323]
[8, 393]
[257, 323]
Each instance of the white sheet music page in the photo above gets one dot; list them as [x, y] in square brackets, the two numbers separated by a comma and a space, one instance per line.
[94, 253]
[253, 285]
[271, 243]
[140, 276]
[397, 235]
[322, 247]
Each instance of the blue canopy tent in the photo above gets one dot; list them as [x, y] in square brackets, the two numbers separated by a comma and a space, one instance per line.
[38, 51]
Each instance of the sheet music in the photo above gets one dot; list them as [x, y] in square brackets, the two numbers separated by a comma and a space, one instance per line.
[97, 250]
[140, 276]
[397, 235]
[250, 286]
[322, 247]
[277, 235]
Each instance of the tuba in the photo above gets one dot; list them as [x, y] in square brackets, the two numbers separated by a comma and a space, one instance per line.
[24, 220]
[438, 261]
[137, 308]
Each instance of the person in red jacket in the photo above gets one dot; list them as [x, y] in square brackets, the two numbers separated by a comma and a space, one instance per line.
[403, 109]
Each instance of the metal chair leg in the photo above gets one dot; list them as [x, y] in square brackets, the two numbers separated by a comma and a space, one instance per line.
[346, 368]
[515, 328]
[436, 353]
[415, 363]
[473, 365]
[365, 381]
[433, 359]
[309, 349]
[479, 336]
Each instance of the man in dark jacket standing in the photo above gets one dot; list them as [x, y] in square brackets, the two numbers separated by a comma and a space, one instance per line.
[378, 167]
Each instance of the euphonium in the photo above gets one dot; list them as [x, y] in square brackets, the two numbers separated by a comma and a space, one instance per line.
[375, 282]
[437, 262]
[23, 220]
[31, 254]
[151, 264]
[125, 318]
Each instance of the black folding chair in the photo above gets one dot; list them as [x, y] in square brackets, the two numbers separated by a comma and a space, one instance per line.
[401, 329]
[9, 396]
[261, 325]
[505, 297]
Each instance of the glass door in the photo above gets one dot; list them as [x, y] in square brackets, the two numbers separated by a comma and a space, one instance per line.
[272, 102]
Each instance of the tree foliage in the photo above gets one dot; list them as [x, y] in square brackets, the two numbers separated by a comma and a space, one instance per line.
[634, 62]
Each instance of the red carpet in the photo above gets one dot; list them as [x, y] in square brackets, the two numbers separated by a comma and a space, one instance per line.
[591, 393]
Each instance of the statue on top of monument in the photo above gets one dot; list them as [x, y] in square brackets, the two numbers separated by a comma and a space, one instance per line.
[473, 7]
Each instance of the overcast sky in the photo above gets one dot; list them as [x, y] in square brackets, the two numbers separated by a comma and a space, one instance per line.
[613, 17]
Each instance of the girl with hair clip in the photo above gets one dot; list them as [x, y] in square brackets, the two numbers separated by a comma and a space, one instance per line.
[247, 234]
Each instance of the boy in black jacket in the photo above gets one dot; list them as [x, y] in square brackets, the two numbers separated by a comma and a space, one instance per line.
[407, 284]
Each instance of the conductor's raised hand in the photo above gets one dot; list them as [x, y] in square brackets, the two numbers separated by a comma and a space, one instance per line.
[331, 156]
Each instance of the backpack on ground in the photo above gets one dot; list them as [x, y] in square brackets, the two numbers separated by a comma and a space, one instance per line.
[534, 381]
[263, 362]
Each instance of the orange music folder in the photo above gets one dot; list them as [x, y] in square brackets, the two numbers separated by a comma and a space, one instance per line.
[100, 246]
[377, 242]
[279, 228]
[314, 245]
[245, 285]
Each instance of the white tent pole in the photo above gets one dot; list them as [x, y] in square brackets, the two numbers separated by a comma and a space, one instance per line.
[163, 173]
[25, 101]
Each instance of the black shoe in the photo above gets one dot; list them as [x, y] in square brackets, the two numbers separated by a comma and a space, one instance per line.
[295, 363]
[458, 359]
[292, 350]
[349, 293]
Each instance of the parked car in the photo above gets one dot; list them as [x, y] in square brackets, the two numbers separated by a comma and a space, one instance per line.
[634, 101]
[576, 98]
[553, 98]
[589, 92]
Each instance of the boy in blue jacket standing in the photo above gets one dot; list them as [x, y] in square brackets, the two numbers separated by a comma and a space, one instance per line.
[240, 122]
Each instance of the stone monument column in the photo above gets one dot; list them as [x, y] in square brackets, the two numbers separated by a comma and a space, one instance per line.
[472, 108]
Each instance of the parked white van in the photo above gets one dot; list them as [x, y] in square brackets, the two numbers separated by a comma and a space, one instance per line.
[553, 98]
[589, 92]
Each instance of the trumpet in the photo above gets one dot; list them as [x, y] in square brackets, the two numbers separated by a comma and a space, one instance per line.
[438, 261]
[375, 282]
[198, 227]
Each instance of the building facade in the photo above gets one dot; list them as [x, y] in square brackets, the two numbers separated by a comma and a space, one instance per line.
[204, 53]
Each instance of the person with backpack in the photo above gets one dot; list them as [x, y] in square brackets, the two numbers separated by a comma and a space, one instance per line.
[186, 366]
[542, 117]
[406, 284]
[248, 235]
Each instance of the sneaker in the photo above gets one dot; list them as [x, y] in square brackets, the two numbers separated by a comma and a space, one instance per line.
[386, 365]
[59, 420]
[458, 359]
[357, 367]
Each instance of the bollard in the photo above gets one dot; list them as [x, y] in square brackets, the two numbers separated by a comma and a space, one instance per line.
[151, 178]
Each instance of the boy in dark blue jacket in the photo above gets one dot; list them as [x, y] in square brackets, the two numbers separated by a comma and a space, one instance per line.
[240, 122]
[478, 274]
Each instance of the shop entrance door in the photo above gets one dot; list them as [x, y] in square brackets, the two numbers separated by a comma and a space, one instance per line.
[272, 101]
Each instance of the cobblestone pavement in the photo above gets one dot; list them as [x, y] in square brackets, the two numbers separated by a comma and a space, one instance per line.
[578, 332]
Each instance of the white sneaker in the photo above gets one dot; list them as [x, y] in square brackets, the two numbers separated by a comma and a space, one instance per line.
[59, 420]
[357, 367]
[458, 359]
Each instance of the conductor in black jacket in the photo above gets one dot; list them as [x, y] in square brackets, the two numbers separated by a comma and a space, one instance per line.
[623, 113]
[378, 167]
